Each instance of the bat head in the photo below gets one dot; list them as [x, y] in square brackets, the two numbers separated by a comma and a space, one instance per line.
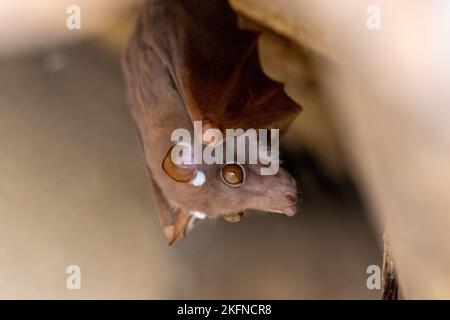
[227, 188]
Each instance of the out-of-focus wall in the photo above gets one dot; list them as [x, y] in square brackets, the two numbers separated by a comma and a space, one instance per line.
[32, 25]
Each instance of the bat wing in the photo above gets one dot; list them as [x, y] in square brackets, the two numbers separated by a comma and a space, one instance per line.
[215, 65]
[174, 221]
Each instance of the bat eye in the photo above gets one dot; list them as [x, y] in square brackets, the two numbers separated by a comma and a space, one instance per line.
[233, 175]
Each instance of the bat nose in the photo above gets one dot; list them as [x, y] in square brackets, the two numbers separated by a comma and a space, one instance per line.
[288, 205]
[291, 199]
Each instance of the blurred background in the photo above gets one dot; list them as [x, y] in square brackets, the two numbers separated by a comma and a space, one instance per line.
[74, 191]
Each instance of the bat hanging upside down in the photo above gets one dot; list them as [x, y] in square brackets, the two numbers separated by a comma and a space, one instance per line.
[188, 61]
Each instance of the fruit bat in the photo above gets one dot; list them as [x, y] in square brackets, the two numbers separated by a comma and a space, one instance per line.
[188, 61]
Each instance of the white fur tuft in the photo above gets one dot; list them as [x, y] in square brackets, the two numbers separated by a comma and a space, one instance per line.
[199, 179]
[198, 214]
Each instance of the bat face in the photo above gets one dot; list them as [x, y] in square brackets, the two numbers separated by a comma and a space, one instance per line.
[230, 188]
[235, 188]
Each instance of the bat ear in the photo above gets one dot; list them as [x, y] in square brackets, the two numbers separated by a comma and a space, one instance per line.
[211, 133]
[179, 163]
[178, 229]
[175, 222]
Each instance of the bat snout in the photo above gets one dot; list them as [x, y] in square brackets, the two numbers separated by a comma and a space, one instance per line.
[290, 211]
[287, 205]
[291, 204]
[291, 199]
